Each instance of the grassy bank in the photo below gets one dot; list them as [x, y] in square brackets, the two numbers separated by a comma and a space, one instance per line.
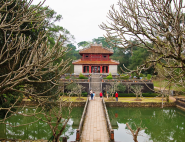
[132, 99]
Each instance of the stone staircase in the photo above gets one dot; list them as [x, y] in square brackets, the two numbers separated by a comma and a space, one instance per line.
[95, 84]
[180, 103]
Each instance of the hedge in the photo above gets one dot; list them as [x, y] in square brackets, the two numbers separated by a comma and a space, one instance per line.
[133, 95]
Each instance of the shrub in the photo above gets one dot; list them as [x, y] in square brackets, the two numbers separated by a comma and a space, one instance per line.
[109, 77]
[141, 75]
[133, 95]
[135, 75]
[124, 76]
[81, 76]
[149, 76]
[67, 77]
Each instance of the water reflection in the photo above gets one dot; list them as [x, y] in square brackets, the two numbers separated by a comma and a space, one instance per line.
[163, 125]
[39, 129]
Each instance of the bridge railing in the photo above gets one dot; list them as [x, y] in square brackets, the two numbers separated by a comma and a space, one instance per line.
[79, 130]
[109, 126]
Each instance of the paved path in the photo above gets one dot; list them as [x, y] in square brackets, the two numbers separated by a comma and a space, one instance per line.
[95, 128]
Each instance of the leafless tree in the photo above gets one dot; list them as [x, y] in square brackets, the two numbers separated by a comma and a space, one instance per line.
[137, 90]
[24, 62]
[135, 133]
[112, 87]
[157, 26]
[77, 90]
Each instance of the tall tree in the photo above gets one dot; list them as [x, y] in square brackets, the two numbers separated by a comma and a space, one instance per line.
[28, 62]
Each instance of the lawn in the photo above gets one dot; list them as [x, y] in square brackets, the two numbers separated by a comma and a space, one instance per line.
[72, 99]
[144, 99]
[75, 99]
[162, 83]
[120, 99]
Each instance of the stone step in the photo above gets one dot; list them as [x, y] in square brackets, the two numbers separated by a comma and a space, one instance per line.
[95, 75]
[95, 79]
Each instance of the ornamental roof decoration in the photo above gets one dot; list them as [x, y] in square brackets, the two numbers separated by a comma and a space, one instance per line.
[96, 48]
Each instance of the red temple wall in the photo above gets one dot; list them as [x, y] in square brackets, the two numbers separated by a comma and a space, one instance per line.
[95, 57]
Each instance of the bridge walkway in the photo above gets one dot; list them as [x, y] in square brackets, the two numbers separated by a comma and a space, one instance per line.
[95, 128]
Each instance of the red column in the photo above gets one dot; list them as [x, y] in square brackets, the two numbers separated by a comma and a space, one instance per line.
[108, 69]
[100, 69]
[82, 68]
[89, 69]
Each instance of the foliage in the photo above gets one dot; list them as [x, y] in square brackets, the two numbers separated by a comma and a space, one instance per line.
[124, 76]
[109, 77]
[143, 94]
[157, 28]
[81, 76]
[70, 86]
[67, 77]
[149, 76]
[84, 44]
[75, 90]
[121, 87]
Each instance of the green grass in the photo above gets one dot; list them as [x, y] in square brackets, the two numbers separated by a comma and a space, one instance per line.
[162, 83]
[144, 99]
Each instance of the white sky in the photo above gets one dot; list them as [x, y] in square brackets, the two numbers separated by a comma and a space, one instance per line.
[81, 17]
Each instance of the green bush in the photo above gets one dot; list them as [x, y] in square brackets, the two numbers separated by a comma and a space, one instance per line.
[109, 77]
[67, 77]
[149, 76]
[124, 76]
[141, 75]
[84, 94]
[110, 74]
[81, 76]
[133, 95]
[135, 74]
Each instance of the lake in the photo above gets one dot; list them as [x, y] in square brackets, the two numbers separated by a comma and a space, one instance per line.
[159, 125]
[39, 129]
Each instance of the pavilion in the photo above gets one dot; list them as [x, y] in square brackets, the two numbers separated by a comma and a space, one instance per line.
[95, 59]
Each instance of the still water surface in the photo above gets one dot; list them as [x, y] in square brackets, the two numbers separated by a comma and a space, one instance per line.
[161, 125]
[40, 129]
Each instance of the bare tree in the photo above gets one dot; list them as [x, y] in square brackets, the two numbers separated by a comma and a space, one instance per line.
[77, 90]
[157, 26]
[135, 133]
[137, 90]
[24, 61]
[27, 63]
[113, 87]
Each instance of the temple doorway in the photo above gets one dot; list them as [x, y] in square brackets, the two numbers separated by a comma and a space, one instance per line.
[95, 69]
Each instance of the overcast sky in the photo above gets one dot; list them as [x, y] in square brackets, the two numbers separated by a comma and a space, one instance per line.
[81, 17]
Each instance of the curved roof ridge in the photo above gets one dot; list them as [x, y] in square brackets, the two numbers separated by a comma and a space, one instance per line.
[97, 48]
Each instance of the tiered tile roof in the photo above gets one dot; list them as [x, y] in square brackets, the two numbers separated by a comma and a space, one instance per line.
[96, 48]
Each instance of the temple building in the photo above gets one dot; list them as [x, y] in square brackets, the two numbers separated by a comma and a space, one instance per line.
[95, 59]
